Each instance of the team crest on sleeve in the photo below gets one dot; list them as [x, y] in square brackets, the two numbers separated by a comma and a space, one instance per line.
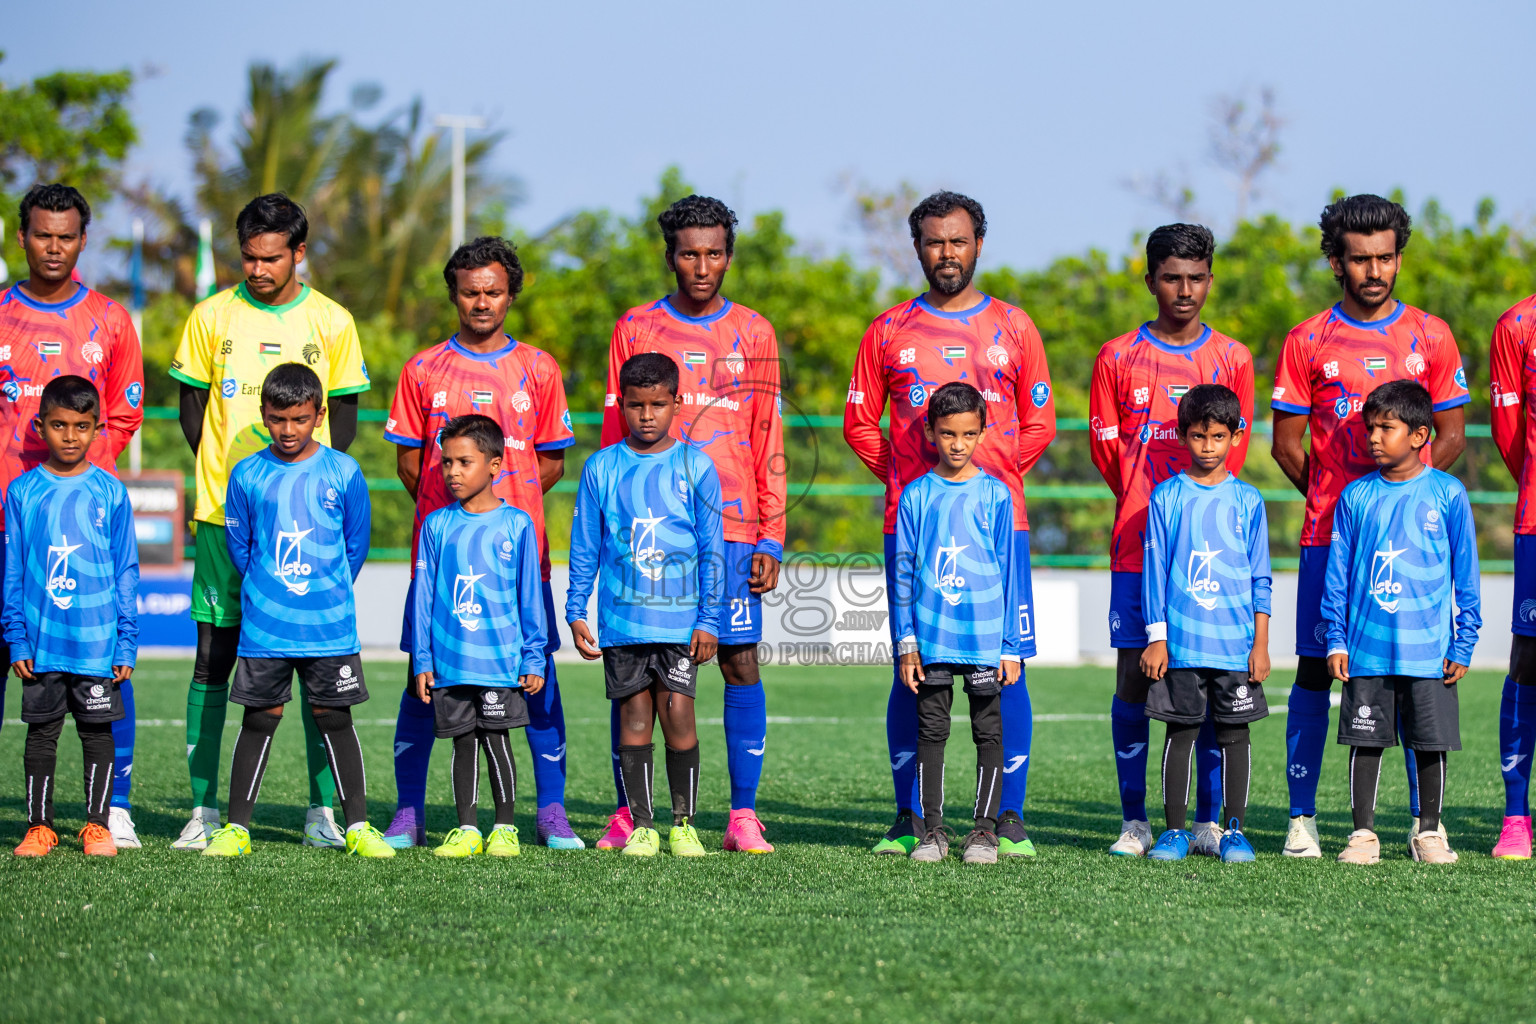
[1461, 378]
[565, 419]
[1040, 394]
[1277, 394]
[134, 394]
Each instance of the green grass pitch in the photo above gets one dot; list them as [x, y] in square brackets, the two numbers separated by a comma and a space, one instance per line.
[818, 931]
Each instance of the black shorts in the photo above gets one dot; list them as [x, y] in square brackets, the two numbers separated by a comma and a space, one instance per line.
[1373, 705]
[460, 710]
[333, 682]
[91, 699]
[982, 680]
[1183, 695]
[630, 668]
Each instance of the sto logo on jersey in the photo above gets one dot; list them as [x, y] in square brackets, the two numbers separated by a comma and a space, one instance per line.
[59, 580]
[465, 608]
[644, 552]
[288, 559]
[946, 571]
[1201, 586]
[1384, 587]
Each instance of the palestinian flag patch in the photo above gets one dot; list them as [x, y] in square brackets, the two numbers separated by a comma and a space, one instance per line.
[271, 348]
[49, 348]
[1375, 362]
[481, 397]
[954, 351]
[1177, 391]
[695, 358]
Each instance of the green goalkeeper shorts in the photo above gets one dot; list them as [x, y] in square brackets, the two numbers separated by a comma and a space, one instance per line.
[215, 583]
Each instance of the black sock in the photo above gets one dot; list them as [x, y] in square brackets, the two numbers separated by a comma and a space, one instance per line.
[1178, 749]
[466, 780]
[40, 761]
[96, 745]
[1431, 788]
[933, 708]
[345, 753]
[503, 770]
[249, 764]
[636, 768]
[683, 781]
[1364, 773]
[987, 732]
[1236, 767]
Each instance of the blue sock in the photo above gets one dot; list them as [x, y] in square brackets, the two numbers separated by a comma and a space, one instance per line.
[1130, 732]
[1411, 765]
[546, 739]
[620, 797]
[901, 741]
[746, 737]
[1018, 737]
[414, 733]
[1207, 773]
[1306, 730]
[122, 752]
[1517, 735]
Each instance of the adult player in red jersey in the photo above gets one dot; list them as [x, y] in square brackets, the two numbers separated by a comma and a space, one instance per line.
[1328, 365]
[51, 325]
[728, 360]
[953, 332]
[1138, 380]
[482, 369]
[1512, 360]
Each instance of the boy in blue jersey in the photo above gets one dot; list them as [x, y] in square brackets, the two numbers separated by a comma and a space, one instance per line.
[71, 615]
[296, 525]
[1404, 549]
[648, 512]
[1205, 589]
[478, 625]
[954, 550]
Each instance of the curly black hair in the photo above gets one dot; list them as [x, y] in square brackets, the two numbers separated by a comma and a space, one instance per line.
[1364, 214]
[273, 213]
[697, 212]
[54, 198]
[482, 252]
[1180, 241]
[942, 204]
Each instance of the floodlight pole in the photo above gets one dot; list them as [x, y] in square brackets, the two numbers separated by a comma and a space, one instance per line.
[458, 123]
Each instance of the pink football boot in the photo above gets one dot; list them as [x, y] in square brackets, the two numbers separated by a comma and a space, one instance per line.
[745, 833]
[1514, 840]
[620, 825]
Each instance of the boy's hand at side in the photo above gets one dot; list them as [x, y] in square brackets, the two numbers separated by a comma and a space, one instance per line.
[23, 668]
[1338, 666]
[121, 673]
[703, 647]
[911, 670]
[1453, 672]
[585, 644]
[1154, 660]
[531, 684]
[423, 686]
[765, 573]
[1010, 670]
[1258, 658]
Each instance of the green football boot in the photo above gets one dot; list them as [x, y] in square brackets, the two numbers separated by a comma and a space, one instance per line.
[1012, 840]
[683, 841]
[229, 841]
[503, 842]
[367, 841]
[461, 842]
[643, 842]
[902, 838]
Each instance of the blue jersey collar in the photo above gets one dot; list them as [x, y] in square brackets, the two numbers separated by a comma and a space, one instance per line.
[960, 314]
[697, 321]
[1369, 325]
[49, 307]
[482, 357]
[1145, 333]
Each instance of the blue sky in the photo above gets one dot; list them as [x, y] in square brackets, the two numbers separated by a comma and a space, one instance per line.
[1040, 111]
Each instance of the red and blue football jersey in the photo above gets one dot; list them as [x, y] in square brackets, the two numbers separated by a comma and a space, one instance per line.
[1329, 365]
[1134, 420]
[909, 352]
[1512, 365]
[518, 386]
[728, 370]
[88, 335]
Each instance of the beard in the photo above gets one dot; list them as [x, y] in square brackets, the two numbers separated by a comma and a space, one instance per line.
[1358, 297]
[952, 285]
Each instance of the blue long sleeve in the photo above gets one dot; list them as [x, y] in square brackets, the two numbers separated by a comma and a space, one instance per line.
[1336, 580]
[530, 597]
[903, 611]
[709, 530]
[586, 545]
[1154, 572]
[1258, 557]
[125, 557]
[15, 606]
[422, 586]
[237, 524]
[1002, 547]
[357, 521]
[1462, 533]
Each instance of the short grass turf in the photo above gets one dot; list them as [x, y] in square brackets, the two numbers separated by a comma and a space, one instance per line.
[820, 930]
